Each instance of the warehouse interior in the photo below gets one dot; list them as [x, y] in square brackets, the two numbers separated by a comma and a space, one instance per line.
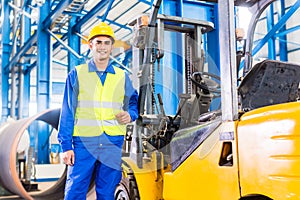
[43, 40]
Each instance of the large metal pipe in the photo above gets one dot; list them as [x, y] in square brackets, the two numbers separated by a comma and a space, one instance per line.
[10, 136]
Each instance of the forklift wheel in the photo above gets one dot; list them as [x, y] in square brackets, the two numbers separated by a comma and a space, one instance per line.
[127, 189]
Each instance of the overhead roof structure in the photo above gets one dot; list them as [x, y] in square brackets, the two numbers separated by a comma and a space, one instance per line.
[27, 26]
[58, 21]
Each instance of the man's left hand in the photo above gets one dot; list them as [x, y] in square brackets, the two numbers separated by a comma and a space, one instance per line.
[123, 117]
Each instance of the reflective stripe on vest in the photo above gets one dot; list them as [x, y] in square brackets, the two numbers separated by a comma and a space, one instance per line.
[98, 105]
[85, 104]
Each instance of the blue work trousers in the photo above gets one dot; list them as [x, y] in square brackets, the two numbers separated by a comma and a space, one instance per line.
[102, 155]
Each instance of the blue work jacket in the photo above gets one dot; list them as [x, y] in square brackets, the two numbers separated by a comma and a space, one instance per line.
[69, 105]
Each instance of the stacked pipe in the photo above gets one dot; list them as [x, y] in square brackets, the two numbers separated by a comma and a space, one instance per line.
[10, 135]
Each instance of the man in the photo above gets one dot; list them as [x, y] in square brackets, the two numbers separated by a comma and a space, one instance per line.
[99, 101]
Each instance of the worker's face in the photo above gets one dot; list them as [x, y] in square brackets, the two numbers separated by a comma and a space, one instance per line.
[101, 47]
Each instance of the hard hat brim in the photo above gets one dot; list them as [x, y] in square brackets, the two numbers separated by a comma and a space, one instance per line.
[112, 39]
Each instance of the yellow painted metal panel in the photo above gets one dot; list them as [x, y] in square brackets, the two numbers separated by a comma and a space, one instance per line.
[149, 182]
[201, 177]
[269, 151]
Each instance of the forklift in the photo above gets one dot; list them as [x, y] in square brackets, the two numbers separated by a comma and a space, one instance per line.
[247, 148]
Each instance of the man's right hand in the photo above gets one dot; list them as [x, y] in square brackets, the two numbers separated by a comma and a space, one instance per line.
[68, 157]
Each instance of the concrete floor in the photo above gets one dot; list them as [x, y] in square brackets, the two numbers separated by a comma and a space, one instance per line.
[42, 187]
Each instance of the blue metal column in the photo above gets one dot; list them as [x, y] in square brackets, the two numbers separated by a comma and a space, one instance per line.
[271, 41]
[213, 43]
[74, 43]
[43, 83]
[213, 51]
[172, 63]
[283, 51]
[91, 14]
[5, 58]
[26, 94]
[179, 56]
[26, 74]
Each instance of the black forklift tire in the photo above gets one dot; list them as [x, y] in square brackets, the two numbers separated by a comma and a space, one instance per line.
[255, 197]
[127, 189]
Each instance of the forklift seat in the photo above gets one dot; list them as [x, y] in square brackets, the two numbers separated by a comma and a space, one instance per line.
[270, 82]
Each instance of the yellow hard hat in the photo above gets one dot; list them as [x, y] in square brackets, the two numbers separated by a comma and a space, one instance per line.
[102, 29]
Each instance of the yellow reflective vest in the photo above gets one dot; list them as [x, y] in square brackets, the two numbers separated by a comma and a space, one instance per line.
[98, 104]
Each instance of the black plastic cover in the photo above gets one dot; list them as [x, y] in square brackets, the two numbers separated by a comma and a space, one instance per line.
[270, 82]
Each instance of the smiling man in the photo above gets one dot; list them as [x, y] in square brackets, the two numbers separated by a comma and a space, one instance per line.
[99, 100]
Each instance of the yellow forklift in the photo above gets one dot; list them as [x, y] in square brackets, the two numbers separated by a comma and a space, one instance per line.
[247, 149]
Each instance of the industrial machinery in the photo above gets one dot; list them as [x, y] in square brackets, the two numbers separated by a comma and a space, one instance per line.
[247, 149]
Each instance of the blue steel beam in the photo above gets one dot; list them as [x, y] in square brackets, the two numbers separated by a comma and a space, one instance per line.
[294, 50]
[28, 44]
[287, 31]
[26, 95]
[197, 3]
[31, 41]
[65, 45]
[43, 91]
[76, 28]
[283, 50]
[28, 67]
[107, 10]
[103, 18]
[59, 9]
[24, 105]
[5, 30]
[150, 2]
[43, 62]
[74, 14]
[180, 46]
[18, 18]
[60, 63]
[121, 26]
[271, 41]
[91, 14]
[74, 43]
[276, 27]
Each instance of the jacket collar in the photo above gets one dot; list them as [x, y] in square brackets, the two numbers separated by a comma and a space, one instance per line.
[93, 68]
